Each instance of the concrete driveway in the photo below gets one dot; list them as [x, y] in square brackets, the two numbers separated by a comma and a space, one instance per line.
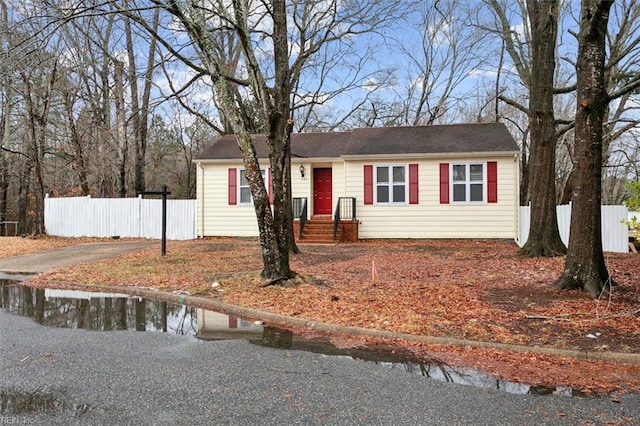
[51, 260]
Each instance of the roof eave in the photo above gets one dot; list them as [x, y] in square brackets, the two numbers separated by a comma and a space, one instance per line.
[430, 155]
[295, 160]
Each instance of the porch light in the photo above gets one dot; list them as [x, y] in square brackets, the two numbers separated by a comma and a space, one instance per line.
[301, 170]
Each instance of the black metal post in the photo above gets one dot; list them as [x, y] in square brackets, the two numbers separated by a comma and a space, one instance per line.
[164, 193]
[164, 220]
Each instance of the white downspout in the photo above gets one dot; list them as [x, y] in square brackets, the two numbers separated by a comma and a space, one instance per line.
[201, 199]
[516, 159]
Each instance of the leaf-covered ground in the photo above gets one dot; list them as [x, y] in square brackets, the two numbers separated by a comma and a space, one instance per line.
[477, 290]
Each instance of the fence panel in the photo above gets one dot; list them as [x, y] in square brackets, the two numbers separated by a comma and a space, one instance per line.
[123, 217]
[614, 232]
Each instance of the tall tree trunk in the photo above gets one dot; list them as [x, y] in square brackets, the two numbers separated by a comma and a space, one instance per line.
[4, 159]
[7, 86]
[544, 237]
[24, 188]
[584, 266]
[121, 129]
[106, 186]
[79, 164]
[140, 108]
[138, 169]
[273, 267]
[141, 147]
[4, 190]
[281, 123]
[275, 237]
[38, 120]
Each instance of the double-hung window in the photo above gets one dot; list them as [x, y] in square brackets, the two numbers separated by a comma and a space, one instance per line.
[243, 187]
[391, 184]
[468, 182]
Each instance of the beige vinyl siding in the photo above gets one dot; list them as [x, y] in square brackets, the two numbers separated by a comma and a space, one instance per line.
[429, 218]
[220, 218]
[338, 181]
[301, 186]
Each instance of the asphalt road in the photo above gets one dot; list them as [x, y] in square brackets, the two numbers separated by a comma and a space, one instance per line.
[69, 376]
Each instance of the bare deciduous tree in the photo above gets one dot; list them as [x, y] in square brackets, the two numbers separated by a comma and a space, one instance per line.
[449, 50]
[277, 41]
[585, 266]
[535, 63]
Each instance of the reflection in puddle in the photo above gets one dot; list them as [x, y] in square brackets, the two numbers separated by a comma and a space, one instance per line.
[112, 311]
[471, 377]
[109, 311]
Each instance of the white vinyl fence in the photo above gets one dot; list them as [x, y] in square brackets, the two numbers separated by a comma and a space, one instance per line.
[615, 233]
[123, 217]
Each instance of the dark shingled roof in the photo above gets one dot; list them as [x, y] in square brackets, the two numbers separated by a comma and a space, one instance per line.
[441, 139]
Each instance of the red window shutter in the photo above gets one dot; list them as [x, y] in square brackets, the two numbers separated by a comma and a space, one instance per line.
[492, 181]
[368, 184]
[413, 184]
[270, 185]
[233, 187]
[444, 183]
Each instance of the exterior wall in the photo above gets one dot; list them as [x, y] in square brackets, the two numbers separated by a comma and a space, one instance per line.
[301, 186]
[339, 181]
[215, 216]
[429, 218]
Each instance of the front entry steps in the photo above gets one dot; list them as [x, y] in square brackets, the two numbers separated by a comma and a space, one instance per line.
[319, 230]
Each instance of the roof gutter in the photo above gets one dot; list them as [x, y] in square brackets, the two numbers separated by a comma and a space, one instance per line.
[294, 160]
[431, 155]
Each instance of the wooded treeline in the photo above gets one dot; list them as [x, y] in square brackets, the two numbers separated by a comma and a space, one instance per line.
[110, 99]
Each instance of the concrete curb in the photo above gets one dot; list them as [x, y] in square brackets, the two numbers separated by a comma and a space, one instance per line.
[255, 314]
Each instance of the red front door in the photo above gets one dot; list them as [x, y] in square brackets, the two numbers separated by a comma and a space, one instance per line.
[322, 191]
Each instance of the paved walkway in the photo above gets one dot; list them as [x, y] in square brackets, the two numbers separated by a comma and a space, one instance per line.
[50, 260]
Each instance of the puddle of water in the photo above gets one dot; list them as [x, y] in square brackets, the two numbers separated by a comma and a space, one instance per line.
[112, 311]
[404, 363]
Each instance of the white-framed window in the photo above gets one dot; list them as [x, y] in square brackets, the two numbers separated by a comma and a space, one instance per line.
[244, 192]
[391, 184]
[468, 182]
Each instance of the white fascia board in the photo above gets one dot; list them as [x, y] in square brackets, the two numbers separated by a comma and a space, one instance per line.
[316, 159]
[225, 160]
[429, 156]
[294, 160]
